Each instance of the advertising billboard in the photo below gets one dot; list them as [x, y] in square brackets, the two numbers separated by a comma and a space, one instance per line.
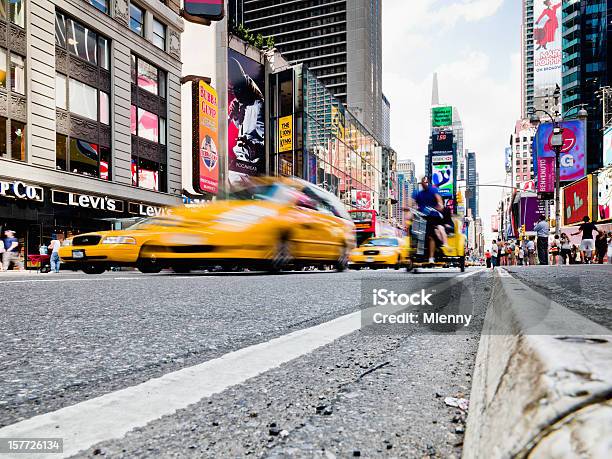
[246, 115]
[206, 154]
[441, 116]
[361, 199]
[573, 151]
[495, 223]
[285, 133]
[547, 46]
[442, 142]
[442, 179]
[546, 174]
[576, 202]
[604, 194]
[529, 212]
[508, 158]
[607, 147]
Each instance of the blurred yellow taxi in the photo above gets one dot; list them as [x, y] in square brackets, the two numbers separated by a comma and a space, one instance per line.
[381, 252]
[270, 223]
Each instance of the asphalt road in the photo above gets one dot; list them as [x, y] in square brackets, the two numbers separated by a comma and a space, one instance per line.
[376, 391]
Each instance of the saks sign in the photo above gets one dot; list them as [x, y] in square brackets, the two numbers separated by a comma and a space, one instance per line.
[86, 201]
[145, 210]
[21, 190]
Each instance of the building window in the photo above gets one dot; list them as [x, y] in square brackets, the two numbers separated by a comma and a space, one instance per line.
[12, 81]
[18, 140]
[148, 125]
[102, 5]
[159, 34]
[82, 92]
[137, 16]
[2, 68]
[16, 11]
[17, 74]
[61, 146]
[82, 99]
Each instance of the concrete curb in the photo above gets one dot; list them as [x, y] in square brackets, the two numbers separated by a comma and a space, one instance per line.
[542, 380]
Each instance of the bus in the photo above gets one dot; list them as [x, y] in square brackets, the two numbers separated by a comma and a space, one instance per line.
[367, 225]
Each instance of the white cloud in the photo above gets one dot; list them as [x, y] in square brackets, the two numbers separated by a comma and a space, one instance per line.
[469, 79]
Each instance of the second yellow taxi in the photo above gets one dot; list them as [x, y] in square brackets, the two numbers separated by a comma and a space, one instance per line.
[381, 252]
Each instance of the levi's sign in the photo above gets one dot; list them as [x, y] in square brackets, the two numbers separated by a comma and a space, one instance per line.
[21, 190]
[145, 210]
[68, 198]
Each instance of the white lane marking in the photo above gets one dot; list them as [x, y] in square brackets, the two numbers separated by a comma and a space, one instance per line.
[113, 415]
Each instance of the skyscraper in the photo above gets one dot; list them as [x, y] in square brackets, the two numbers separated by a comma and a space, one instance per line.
[386, 121]
[339, 41]
[406, 185]
[472, 184]
[587, 66]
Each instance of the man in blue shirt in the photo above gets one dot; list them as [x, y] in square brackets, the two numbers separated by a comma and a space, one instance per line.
[11, 251]
[429, 202]
[542, 231]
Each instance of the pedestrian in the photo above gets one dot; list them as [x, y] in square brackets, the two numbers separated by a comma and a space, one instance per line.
[11, 252]
[588, 243]
[494, 252]
[554, 249]
[510, 251]
[531, 251]
[610, 248]
[573, 257]
[542, 231]
[488, 258]
[54, 247]
[521, 255]
[601, 246]
[2, 250]
[566, 248]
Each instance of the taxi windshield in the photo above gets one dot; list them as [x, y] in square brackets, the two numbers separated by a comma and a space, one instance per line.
[384, 242]
[156, 221]
[268, 192]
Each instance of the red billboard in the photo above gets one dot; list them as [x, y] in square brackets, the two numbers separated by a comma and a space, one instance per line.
[206, 155]
[577, 203]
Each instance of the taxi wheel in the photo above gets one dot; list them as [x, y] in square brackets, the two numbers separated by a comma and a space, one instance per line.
[282, 256]
[409, 265]
[398, 265]
[148, 266]
[92, 268]
[462, 264]
[342, 262]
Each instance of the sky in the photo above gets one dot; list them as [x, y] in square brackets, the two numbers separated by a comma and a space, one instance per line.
[474, 46]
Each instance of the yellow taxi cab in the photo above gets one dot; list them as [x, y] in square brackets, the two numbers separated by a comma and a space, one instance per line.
[381, 252]
[270, 223]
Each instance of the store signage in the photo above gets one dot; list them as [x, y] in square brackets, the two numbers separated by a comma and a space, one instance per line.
[442, 159]
[86, 201]
[145, 210]
[546, 174]
[285, 133]
[577, 202]
[21, 190]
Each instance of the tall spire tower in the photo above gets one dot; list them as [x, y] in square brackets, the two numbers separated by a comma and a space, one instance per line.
[435, 98]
